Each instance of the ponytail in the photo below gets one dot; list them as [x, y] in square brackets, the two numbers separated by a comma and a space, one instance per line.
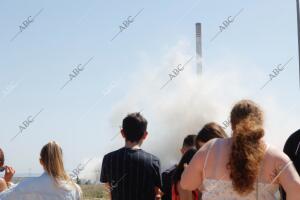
[247, 150]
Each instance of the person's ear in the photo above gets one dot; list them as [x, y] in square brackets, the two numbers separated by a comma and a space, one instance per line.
[145, 135]
[122, 133]
[182, 150]
[41, 162]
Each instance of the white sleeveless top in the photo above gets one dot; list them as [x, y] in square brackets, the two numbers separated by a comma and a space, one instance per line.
[218, 189]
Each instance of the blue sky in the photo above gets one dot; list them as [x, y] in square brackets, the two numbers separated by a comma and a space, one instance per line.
[37, 63]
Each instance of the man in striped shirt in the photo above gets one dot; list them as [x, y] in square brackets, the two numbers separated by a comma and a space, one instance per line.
[130, 172]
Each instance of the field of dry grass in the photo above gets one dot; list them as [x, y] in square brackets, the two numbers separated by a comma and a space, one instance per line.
[94, 192]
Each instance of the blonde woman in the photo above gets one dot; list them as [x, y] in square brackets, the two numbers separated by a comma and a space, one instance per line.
[53, 184]
[242, 167]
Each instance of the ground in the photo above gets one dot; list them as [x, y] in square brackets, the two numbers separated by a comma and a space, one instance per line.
[94, 192]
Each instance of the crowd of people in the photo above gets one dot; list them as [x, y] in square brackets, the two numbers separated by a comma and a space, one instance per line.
[213, 166]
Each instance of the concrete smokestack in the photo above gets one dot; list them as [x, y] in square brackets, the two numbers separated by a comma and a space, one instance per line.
[199, 48]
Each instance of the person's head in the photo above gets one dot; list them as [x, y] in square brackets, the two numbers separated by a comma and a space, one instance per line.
[185, 160]
[2, 159]
[209, 131]
[188, 143]
[247, 149]
[51, 158]
[134, 128]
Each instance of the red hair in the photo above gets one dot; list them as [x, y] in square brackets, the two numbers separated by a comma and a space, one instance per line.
[247, 149]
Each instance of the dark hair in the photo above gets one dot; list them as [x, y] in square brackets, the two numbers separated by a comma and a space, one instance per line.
[185, 159]
[292, 149]
[134, 126]
[210, 131]
[247, 150]
[1, 157]
[189, 141]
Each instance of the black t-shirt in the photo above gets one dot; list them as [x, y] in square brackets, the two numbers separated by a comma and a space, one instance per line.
[292, 149]
[132, 173]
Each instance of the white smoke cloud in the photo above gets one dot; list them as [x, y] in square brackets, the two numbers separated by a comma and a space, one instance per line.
[183, 106]
[189, 101]
[90, 170]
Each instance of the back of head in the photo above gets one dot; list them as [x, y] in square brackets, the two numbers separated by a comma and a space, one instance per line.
[247, 149]
[134, 126]
[210, 131]
[52, 160]
[51, 157]
[189, 141]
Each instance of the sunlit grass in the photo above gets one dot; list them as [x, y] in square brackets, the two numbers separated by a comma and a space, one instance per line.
[94, 192]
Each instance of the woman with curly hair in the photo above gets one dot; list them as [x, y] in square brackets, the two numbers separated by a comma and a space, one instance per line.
[242, 167]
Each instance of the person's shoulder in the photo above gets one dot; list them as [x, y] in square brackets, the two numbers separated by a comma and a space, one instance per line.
[277, 156]
[169, 172]
[211, 143]
[3, 185]
[32, 182]
[110, 154]
[150, 155]
[295, 135]
[170, 169]
[293, 139]
[149, 158]
[209, 147]
[2, 181]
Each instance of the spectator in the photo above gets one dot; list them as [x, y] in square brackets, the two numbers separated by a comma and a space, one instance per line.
[243, 166]
[177, 192]
[167, 175]
[54, 183]
[9, 173]
[209, 131]
[292, 149]
[131, 173]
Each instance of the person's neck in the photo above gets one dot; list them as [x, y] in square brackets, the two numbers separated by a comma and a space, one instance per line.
[132, 145]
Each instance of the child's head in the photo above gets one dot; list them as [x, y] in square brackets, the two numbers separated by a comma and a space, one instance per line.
[134, 127]
[189, 142]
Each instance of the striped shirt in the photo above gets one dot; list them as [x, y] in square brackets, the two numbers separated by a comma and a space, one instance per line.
[132, 173]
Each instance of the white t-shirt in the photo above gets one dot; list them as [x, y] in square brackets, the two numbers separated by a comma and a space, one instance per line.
[41, 188]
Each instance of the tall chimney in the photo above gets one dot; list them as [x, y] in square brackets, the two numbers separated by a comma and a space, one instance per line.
[198, 48]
